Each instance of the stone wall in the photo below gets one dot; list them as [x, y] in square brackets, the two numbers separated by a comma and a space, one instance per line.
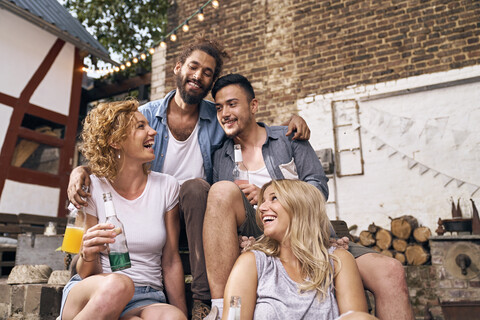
[290, 49]
[30, 301]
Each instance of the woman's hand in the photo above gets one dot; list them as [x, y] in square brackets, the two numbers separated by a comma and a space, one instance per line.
[96, 239]
[245, 242]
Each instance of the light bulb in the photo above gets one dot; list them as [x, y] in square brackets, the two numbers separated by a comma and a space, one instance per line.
[201, 16]
[163, 44]
[135, 60]
[143, 56]
[215, 4]
[117, 69]
[122, 67]
[128, 63]
[173, 37]
[151, 50]
[185, 27]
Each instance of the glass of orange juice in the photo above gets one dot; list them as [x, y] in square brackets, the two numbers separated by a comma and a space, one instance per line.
[72, 240]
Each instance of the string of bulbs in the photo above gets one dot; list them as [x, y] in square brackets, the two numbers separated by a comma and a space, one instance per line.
[172, 36]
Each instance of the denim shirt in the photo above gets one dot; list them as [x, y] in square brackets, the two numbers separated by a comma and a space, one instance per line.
[210, 133]
[277, 150]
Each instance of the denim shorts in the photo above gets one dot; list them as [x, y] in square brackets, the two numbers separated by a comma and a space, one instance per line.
[143, 296]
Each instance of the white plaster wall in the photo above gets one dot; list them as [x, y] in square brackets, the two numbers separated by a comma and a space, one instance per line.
[23, 46]
[419, 149]
[54, 91]
[5, 115]
[28, 198]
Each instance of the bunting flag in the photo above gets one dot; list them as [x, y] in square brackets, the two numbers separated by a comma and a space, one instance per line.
[422, 168]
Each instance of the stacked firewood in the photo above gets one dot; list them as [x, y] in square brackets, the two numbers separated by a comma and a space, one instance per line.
[406, 241]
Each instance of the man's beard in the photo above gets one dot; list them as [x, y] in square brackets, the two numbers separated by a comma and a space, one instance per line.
[187, 97]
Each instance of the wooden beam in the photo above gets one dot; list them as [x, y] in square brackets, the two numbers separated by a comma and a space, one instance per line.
[126, 85]
[39, 137]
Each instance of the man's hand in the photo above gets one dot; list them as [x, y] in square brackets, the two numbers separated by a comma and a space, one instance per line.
[300, 127]
[251, 191]
[79, 179]
[340, 243]
[245, 242]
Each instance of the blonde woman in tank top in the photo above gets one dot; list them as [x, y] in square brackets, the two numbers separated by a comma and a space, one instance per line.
[291, 272]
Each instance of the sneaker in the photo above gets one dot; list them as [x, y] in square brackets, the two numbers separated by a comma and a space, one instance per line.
[199, 310]
[213, 315]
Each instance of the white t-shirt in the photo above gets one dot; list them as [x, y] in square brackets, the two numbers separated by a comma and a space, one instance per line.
[183, 159]
[143, 220]
[259, 177]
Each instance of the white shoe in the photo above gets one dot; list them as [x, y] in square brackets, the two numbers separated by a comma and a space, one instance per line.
[213, 314]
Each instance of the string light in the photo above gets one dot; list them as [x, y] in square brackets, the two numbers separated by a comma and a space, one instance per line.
[172, 35]
[185, 27]
[200, 15]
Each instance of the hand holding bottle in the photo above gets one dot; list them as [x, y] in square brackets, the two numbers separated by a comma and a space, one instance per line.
[96, 239]
[251, 191]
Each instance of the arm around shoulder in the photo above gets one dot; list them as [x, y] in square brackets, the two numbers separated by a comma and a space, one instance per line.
[348, 284]
[242, 282]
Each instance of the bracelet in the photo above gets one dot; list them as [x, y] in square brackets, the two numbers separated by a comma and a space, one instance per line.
[83, 258]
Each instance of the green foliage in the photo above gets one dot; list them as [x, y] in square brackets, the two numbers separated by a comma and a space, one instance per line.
[124, 27]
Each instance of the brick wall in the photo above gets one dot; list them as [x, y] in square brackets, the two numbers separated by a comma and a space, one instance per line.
[290, 49]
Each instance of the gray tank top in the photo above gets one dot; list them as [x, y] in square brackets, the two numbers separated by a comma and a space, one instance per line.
[278, 296]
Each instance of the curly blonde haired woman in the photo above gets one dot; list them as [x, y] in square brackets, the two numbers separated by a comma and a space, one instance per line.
[117, 142]
[291, 271]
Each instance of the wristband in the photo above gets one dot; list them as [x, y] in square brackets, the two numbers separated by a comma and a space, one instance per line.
[83, 258]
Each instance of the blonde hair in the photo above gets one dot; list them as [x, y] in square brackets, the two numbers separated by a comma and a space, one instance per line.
[308, 233]
[106, 125]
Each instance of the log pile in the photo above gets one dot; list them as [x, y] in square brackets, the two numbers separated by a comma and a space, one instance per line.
[406, 241]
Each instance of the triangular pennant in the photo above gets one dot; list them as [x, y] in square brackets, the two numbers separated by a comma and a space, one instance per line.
[459, 183]
[435, 173]
[422, 169]
[380, 119]
[441, 124]
[459, 136]
[405, 125]
[475, 191]
[392, 153]
[430, 132]
[379, 144]
[446, 180]
[411, 163]
[471, 189]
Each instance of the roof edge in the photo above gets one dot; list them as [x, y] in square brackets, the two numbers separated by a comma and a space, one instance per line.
[39, 22]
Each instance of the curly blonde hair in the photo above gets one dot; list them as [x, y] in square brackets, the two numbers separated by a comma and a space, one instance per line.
[106, 125]
[308, 233]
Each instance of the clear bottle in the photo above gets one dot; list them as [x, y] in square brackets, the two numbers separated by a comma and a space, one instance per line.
[235, 306]
[117, 251]
[240, 174]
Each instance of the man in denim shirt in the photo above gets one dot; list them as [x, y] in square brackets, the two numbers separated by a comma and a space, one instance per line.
[268, 154]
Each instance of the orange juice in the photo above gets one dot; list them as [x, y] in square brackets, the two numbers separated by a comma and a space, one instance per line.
[72, 239]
